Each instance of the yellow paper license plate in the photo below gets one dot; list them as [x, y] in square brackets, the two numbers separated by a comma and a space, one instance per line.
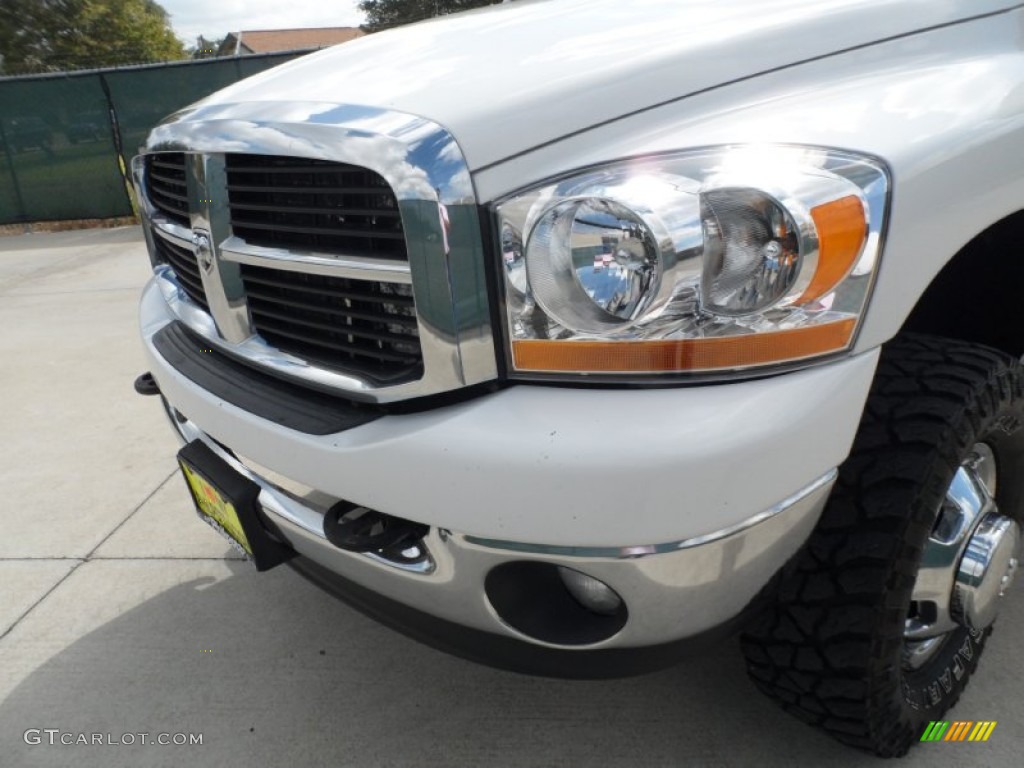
[215, 509]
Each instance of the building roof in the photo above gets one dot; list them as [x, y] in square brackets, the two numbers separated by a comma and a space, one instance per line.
[271, 40]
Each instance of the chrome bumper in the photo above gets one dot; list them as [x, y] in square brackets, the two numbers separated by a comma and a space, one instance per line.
[672, 591]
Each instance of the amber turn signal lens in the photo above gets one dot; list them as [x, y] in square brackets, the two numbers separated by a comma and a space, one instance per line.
[842, 232]
[682, 354]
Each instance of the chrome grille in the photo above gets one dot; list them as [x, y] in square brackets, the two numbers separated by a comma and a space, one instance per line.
[290, 202]
[358, 326]
[339, 216]
[186, 269]
[166, 186]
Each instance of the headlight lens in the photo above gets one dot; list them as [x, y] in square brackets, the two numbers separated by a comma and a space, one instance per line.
[601, 265]
[714, 260]
[751, 252]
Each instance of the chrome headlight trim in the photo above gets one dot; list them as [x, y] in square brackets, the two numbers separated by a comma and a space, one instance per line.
[808, 182]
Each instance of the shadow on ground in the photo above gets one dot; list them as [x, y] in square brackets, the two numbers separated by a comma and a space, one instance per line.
[273, 672]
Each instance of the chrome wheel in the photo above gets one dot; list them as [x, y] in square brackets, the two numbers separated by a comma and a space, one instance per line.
[968, 563]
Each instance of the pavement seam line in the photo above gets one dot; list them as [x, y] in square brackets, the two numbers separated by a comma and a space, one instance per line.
[130, 515]
[88, 556]
[45, 595]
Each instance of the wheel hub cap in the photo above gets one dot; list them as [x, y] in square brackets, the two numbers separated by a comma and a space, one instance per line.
[986, 571]
[968, 563]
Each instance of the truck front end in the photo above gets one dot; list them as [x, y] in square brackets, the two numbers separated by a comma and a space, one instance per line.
[548, 354]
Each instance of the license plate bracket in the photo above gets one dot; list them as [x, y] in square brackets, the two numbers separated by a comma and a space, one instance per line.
[229, 502]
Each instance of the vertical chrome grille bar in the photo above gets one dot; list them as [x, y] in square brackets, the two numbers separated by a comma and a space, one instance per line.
[222, 280]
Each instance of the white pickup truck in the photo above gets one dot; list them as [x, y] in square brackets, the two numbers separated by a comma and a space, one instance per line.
[564, 335]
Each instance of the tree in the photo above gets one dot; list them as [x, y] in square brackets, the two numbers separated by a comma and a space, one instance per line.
[381, 14]
[206, 47]
[55, 35]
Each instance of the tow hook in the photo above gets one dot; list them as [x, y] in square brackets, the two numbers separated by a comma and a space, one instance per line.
[146, 385]
[358, 529]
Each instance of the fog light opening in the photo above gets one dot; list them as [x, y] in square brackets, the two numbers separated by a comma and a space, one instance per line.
[541, 602]
[593, 594]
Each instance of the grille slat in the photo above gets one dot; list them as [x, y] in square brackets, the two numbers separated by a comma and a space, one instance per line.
[331, 231]
[166, 179]
[192, 284]
[168, 191]
[293, 285]
[309, 189]
[171, 161]
[334, 314]
[189, 276]
[288, 202]
[182, 260]
[349, 211]
[252, 165]
[171, 199]
[350, 330]
[339, 346]
[346, 324]
[190, 287]
[185, 267]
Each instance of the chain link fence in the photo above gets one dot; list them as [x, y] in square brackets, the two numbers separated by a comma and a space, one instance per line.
[66, 139]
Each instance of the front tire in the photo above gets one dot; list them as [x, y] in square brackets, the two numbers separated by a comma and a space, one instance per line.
[863, 638]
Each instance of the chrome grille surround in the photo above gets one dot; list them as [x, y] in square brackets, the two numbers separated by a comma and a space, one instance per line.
[431, 182]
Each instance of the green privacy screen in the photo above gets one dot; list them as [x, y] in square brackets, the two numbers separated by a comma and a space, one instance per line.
[59, 160]
[59, 134]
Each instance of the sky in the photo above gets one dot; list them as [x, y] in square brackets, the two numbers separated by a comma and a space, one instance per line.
[215, 18]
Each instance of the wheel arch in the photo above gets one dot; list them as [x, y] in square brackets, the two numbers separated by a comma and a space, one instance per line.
[977, 296]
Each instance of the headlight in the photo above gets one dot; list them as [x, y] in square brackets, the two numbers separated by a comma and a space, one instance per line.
[713, 260]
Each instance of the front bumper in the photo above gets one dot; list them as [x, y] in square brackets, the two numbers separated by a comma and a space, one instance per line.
[684, 501]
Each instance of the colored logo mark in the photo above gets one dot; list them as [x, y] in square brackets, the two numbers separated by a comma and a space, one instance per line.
[958, 730]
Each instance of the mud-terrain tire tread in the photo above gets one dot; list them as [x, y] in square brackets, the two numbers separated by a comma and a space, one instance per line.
[827, 648]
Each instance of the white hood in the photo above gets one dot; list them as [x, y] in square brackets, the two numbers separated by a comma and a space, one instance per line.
[517, 75]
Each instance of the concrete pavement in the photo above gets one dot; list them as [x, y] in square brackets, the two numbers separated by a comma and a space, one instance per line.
[121, 613]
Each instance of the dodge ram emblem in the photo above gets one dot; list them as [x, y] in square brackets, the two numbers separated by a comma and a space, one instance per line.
[202, 250]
